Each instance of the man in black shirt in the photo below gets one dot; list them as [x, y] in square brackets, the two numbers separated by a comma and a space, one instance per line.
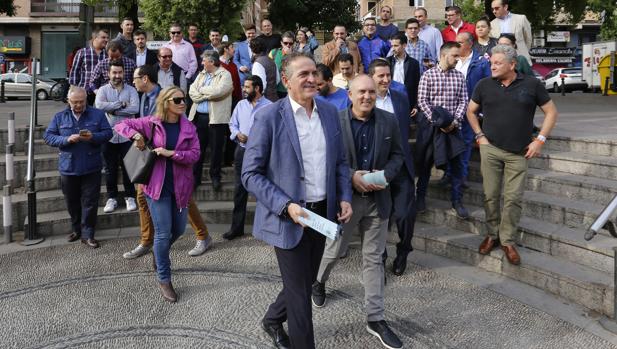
[508, 101]
[271, 39]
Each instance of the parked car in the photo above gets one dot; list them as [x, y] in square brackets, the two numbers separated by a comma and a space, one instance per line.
[573, 79]
[20, 85]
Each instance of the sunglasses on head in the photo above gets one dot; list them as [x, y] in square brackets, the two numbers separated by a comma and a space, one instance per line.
[175, 33]
[177, 100]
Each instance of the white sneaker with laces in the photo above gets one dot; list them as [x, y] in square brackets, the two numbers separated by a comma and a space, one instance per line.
[139, 251]
[131, 205]
[201, 246]
[110, 206]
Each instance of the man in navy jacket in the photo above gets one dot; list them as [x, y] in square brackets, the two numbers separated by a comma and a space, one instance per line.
[295, 159]
[79, 132]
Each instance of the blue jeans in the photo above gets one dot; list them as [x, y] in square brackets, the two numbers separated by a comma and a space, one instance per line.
[169, 225]
[456, 178]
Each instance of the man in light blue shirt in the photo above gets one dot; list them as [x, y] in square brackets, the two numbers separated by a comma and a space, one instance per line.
[327, 91]
[428, 33]
[119, 101]
[240, 127]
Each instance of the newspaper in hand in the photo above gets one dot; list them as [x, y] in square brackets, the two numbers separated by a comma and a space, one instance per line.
[321, 225]
[377, 178]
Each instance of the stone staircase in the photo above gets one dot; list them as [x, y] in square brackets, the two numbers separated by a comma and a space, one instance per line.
[566, 189]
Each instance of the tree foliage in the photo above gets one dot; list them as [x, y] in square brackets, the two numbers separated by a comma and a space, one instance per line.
[7, 7]
[472, 10]
[608, 12]
[316, 14]
[207, 14]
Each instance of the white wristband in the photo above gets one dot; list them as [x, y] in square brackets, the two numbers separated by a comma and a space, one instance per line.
[541, 138]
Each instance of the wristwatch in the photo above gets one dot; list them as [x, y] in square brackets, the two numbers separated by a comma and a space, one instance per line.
[285, 212]
[137, 137]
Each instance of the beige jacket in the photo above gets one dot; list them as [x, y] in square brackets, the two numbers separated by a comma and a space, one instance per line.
[218, 93]
[521, 28]
[330, 53]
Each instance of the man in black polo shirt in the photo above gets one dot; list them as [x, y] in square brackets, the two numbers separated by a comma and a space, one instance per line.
[508, 101]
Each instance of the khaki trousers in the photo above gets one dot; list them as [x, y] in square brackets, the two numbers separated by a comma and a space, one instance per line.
[499, 166]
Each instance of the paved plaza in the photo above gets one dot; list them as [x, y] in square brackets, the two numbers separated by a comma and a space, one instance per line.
[61, 295]
[70, 296]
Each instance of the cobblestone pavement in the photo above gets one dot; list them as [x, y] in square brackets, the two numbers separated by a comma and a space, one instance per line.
[71, 296]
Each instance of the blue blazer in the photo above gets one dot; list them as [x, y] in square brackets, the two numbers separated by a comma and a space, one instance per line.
[479, 68]
[273, 170]
[402, 111]
[242, 58]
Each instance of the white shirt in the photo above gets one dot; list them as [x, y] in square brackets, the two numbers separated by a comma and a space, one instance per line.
[313, 149]
[505, 23]
[385, 103]
[399, 70]
[140, 58]
[456, 29]
[260, 71]
[463, 65]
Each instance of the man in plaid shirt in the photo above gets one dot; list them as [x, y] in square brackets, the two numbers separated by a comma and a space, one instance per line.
[100, 75]
[444, 86]
[416, 48]
[86, 60]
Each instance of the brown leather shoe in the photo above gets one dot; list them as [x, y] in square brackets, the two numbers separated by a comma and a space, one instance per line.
[168, 292]
[74, 237]
[92, 243]
[487, 245]
[511, 255]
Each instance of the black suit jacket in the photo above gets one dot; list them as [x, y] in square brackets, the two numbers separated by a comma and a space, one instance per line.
[412, 78]
[151, 56]
[388, 152]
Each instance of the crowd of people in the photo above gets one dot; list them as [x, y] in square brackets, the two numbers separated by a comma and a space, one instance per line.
[303, 135]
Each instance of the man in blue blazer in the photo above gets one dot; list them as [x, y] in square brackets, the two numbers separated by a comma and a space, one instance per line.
[402, 187]
[243, 55]
[295, 159]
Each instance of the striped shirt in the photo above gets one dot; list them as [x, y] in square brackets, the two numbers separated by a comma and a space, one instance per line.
[443, 88]
[84, 63]
[100, 75]
[419, 51]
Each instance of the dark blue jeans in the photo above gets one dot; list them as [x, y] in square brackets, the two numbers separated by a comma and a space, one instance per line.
[468, 138]
[169, 224]
[456, 178]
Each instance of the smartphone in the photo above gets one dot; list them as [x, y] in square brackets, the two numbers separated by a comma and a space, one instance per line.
[84, 132]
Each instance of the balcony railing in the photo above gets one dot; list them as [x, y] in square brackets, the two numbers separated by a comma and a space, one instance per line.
[68, 8]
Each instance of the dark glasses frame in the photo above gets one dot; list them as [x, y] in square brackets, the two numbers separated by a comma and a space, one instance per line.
[177, 100]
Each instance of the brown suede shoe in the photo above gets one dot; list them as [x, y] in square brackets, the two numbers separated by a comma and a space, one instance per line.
[487, 245]
[74, 237]
[511, 255]
[167, 291]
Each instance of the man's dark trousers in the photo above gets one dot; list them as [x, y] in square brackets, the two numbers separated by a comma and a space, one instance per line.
[240, 195]
[299, 267]
[201, 123]
[81, 194]
[404, 219]
[217, 135]
[456, 169]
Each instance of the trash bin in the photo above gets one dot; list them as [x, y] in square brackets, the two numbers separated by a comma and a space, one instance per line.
[607, 69]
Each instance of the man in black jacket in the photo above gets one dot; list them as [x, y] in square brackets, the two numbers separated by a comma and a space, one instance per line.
[405, 69]
[142, 54]
[373, 143]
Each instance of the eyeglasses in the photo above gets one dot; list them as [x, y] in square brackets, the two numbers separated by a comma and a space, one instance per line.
[166, 56]
[369, 25]
[287, 43]
[175, 33]
[137, 77]
[177, 100]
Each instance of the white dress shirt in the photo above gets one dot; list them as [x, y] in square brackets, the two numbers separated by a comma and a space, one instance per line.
[505, 23]
[140, 58]
[313, 149]
[463, 65]
[399, 70]
[385, 103]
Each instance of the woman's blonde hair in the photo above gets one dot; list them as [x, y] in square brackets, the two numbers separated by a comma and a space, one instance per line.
[162, 101]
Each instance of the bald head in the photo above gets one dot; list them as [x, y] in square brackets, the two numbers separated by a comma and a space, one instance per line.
[165, 57]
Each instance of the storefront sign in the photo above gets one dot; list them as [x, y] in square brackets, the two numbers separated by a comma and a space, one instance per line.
[561, 36]
[552, 51]
[553, 59]
[155, 45]
[14, 45]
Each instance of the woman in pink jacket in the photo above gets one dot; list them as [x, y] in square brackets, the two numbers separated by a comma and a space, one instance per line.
[171, 184]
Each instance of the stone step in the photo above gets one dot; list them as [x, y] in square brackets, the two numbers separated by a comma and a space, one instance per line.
[42, 163]
[21, 137]
[581, 145]
[51, 180]
[58, 223]
[597, 166]
[536, 234]
[40, 147]
[576, 214]
[575, 283]
[566, 185]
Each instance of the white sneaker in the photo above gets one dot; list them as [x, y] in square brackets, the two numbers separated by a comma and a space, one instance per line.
[110, 206]
[139, 251]
[131, 205]
[201, 246]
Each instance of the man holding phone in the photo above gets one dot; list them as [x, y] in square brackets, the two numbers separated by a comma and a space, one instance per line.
[79, 132]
